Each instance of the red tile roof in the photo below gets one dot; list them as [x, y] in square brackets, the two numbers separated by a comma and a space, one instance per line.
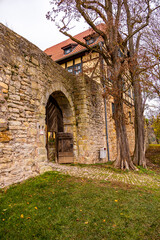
[57, 51]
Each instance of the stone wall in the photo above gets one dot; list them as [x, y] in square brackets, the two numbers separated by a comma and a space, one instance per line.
[27, 78]
[90, 120]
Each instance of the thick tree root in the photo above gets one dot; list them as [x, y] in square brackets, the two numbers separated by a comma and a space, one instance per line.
[125, 165]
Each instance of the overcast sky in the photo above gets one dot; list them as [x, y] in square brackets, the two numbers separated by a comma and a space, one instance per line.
[27, 18]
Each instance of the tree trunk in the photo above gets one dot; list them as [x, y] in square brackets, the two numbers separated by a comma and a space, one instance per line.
[139, 152]
[123, 160]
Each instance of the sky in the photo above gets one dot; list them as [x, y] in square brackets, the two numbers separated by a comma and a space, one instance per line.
[27, 18]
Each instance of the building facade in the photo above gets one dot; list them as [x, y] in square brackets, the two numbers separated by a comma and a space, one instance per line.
[78, 60]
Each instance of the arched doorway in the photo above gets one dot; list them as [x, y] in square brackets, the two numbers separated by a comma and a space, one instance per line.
[59, 126]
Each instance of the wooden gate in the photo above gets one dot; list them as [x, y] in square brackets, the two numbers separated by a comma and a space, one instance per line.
[54, 124]
[59, 144]
[65, 147]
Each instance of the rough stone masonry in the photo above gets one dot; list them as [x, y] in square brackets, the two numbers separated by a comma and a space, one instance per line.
[27, 78]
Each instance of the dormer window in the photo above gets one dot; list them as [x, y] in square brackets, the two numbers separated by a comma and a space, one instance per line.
[69, 48]
[91, 38]
[90, 41]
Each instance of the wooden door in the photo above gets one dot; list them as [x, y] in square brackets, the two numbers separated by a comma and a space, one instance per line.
[54, 123]
[54, 117]
[65, 147]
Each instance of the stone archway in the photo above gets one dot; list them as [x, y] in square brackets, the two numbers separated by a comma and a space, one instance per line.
[59, 128]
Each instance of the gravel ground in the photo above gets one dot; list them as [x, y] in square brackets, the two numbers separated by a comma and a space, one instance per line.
[105, 174]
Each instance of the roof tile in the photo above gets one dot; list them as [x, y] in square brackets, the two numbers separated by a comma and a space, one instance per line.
[57, 52]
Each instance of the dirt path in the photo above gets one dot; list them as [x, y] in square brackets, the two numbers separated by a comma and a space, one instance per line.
[133, 178]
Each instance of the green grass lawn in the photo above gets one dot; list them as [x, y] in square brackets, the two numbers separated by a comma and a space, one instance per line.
[55, 206]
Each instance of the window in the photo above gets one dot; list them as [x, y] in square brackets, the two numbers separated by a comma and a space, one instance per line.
[129, 92]
[113, 110]
[109, 74]
[90, 41]
[67, 50]
[91, 38]
[123, 84]
[70, 69]
[78, 68]
[130, 117]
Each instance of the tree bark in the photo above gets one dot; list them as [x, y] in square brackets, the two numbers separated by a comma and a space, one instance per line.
[123, 159]
[139, 152]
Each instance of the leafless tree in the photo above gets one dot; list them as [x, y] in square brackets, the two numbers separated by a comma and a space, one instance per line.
[151, 52]
[123, 24]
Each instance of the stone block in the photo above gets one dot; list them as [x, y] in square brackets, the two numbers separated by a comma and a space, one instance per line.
[15, 123]
[21, 140]
[2, 120]
[3, 108]
[14, 97]
[32, 71]
[41, 151]
[34, 61]
[30, 162]
[5, 160]
[17, 84]
[5, 166]
[44, 169]
[42, 158]
[32, 102]
[2, 100]
[5, 137]
[3, 85]
[34, 85]
[15, 110]
[3, 126]
[32, 131]
[42, 109]
[27, 58]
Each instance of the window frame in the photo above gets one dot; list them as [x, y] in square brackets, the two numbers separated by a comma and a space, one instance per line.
[67, 50]
[70, 68]
[90, 41]
[113, 110]
[79, 70]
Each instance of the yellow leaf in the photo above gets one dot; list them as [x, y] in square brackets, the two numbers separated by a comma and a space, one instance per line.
[116, 200]
[104, 220]
[27, 202]
[80, 210]
[22, 216]
[49, 208]
[3, 219]
[36, 208]
[86, 222]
